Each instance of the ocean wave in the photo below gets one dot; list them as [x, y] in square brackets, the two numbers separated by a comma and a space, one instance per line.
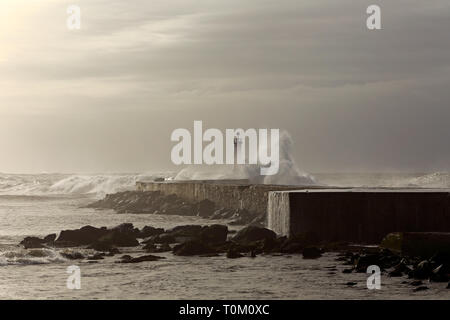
[60, 184]
[30, 257]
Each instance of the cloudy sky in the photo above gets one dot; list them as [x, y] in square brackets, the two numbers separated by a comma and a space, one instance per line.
[107, 97]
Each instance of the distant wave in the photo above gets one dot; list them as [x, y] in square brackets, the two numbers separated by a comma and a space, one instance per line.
[60, 184]
[432, 180]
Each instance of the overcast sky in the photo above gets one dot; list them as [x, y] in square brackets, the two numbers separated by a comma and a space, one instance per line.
[107, 97]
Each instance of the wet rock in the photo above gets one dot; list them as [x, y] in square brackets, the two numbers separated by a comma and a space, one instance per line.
[72, 255]
[50, 238]
[232, 253]
[400, 269]
[129, 259]
[347, 271]
[33, 243]
[421, 288]
[421, 271]
[292, 246]
[440, 274]
[190, 230]
[117, 238]
[101, 246]
[163, 238]
[214, 234]
[164, 247]
[251, 234]
[192, 248]
[311, 253]
[150, 247]
[149, 231]
[83, 236]
[365, 260]
[127, 229]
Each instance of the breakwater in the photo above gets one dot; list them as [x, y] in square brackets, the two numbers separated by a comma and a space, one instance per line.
[331, 214]
[358, 215]
[233, 194]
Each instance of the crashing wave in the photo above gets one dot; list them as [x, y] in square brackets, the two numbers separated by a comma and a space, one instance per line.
[60, 184]
[30, 257]
[288, 173]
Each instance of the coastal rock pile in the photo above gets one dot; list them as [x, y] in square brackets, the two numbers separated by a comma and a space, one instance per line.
[154, 202]
[432, 268]
[183, 240]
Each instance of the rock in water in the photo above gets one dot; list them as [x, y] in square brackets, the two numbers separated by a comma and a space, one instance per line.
[32, 243]
[233, 254]
[129, 259]
[117, 238]
[251, 234]
[149, 231]
[421, 288]
[311, 253]
[192, 248]
[214, 234]
[83, 236]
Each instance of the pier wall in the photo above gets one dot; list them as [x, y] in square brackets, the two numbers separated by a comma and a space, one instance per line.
[358, 216]
[232, 194]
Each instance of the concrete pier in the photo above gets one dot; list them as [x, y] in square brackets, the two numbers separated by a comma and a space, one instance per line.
[231, 194]
[358, 215]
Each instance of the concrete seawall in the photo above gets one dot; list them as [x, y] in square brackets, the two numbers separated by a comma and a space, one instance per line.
[364, 216]
[232, 194]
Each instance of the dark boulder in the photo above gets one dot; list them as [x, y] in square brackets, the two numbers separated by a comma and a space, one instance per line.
[365, 260]
[83, 236]
[421, 288]
[185, 233]
[129, 259]
[440, 274]
[50, 238]
[118, 239]
[232, 253]
[192, 248]
[162, 238]
[252, 233]
[422, 271]
[311, 253]
[214, 234]
[128, 229]
[33, 243]
[149, 231]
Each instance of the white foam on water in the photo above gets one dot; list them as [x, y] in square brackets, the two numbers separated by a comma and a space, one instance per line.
[30, 257]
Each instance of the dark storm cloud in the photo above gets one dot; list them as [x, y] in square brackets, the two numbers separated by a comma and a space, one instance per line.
[353, 99]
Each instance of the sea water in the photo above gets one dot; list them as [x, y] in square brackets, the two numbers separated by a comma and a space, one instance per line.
[37, 205]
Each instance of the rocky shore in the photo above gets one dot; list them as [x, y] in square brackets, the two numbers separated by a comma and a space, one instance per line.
[93, 244]
[154, 202]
